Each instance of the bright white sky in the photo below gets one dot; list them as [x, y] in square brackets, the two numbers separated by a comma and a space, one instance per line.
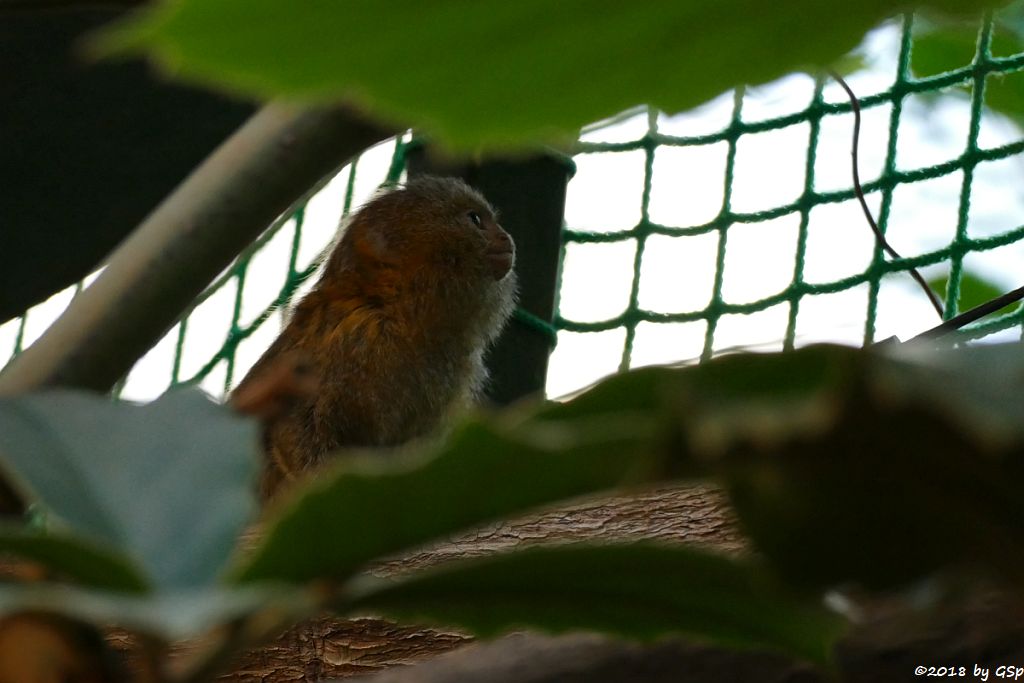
[677, 273]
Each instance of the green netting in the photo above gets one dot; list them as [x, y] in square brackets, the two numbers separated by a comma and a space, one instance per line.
[974, 75]
[294, 279]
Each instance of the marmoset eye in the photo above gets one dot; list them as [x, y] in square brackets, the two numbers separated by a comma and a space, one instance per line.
[475, 217]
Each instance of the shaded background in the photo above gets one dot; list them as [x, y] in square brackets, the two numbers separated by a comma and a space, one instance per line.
[86, 150]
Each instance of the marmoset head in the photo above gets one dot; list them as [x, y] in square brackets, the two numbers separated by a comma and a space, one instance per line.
[429, 227]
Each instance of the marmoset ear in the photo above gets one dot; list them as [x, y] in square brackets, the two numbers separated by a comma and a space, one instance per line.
[372, 245]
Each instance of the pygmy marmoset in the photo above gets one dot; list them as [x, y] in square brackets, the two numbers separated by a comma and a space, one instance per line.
[419, 284]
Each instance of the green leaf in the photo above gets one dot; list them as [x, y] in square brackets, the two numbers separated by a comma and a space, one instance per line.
[500, 73]
[974, 291]
[169, 484]
[848, 465]
[169, 615]
[843, 465]
[667, 394]
[638, 591]
[915, 468]
[941, 46]
[74, 558]
[375, 506]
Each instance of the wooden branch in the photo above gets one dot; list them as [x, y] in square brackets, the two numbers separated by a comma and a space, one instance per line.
[250, 180]
[332, 647]
[981, 631]
[589, 658]
[892, 638]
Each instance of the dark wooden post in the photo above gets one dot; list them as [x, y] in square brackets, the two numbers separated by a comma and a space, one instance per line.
[529, 194]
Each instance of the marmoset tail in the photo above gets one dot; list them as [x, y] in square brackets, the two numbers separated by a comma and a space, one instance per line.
[418, 286]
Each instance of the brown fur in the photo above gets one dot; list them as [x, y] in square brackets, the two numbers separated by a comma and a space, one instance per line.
[396, 328]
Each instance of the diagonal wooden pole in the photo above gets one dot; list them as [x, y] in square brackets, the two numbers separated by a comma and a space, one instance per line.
[252, 178]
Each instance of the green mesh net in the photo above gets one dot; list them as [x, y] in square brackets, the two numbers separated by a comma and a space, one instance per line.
[948, 256]
[227, 327]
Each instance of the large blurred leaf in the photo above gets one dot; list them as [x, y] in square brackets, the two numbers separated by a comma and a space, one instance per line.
[917, 466]
[847, 464]
[637, 591]
[843, 465]
[73, 558]
[375, 506]
[168, 484]
[667, 394]
[490, 72]
[169, 615]
[941, 46]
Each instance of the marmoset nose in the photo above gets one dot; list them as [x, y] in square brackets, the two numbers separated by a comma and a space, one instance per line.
[501, 253]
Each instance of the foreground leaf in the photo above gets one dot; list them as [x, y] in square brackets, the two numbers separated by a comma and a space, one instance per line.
[499, 73]
[843, 465]
[168, 615]
[780, 384]
[168, 484]
[638, 591]
[915, 467]
[372, 507]
[74, 558]
[850, 465]
[942, 46]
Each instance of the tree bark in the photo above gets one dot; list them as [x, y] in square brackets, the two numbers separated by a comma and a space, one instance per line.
[975, 625]
[338, 648]
[979, 634]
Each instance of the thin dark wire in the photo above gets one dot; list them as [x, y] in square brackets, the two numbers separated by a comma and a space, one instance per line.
[859, 191]
[970, 316]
